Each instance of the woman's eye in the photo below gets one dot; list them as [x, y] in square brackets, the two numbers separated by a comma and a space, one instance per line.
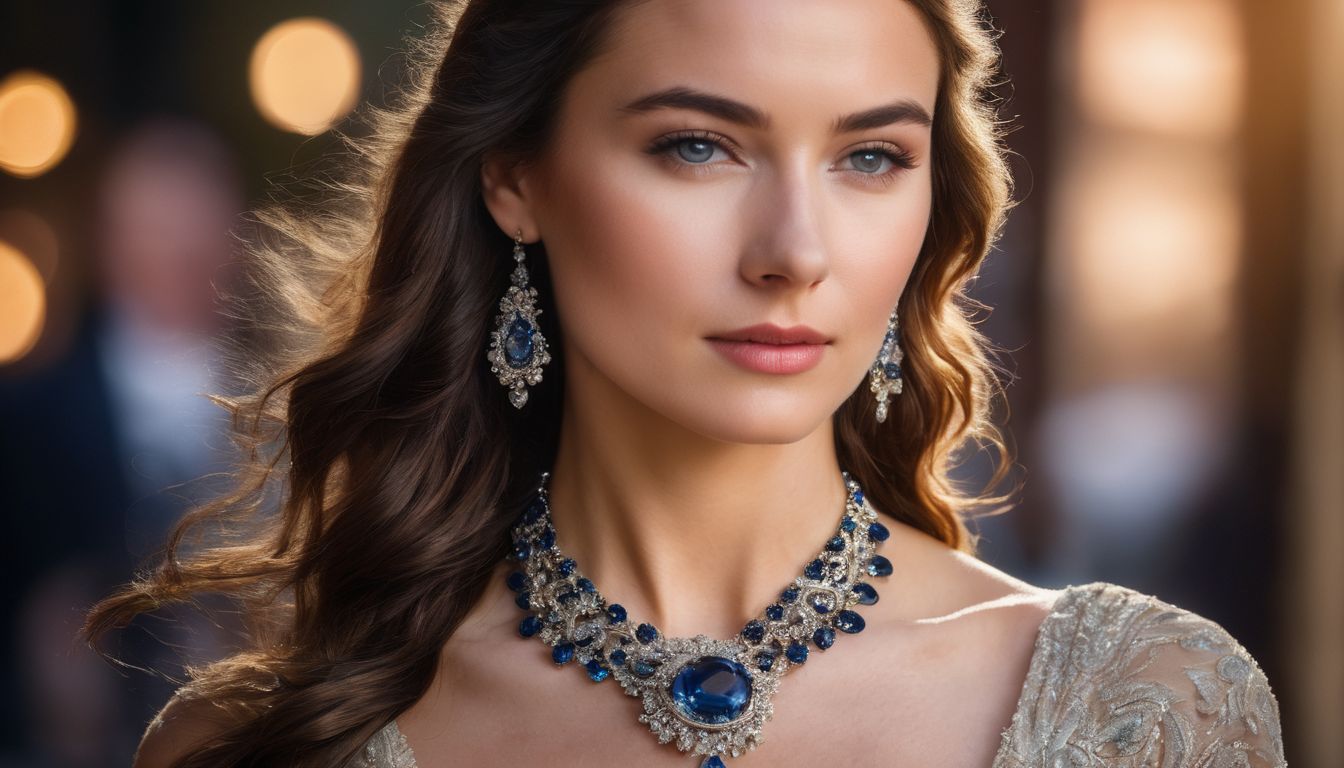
[692, 150]
[697, 149]
[869, 161]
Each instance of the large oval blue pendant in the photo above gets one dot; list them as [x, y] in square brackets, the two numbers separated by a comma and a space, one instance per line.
[712, 690]
[518, 342]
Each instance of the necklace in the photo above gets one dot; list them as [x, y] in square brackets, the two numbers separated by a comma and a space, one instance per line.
[706, 695]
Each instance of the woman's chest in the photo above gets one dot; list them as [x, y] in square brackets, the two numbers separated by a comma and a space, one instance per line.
[861, 703]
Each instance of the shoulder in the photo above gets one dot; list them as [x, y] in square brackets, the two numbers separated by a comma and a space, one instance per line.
[184, 724]
[1121, 674]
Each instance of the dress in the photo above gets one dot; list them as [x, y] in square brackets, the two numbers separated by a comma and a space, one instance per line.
[1117, 679]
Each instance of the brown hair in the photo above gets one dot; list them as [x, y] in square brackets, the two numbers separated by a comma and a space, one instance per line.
[384, 464]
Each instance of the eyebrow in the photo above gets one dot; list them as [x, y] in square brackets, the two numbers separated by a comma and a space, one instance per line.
[679, 97]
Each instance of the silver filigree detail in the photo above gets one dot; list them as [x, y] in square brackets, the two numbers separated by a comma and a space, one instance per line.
[880, 381]
[569, 614]
[519, 302]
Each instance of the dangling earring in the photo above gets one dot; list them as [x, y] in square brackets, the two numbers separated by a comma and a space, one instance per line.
[884, 378]
[517, 348]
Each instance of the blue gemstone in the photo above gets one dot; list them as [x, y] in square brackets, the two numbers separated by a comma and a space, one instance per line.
[517, 580]
[586, 585]
[529, 626]
[814, 569]
[848, 524]
[892, 371]
[764, 661]
[849, 621]
[836, 544]
[867, 595]
[797, 653]
[712, 761]
[646, 633]
[568, 596]
[774, 612]
[754, 632]
[547, 538]
[596, 672]
[790, 594]
[521, 549]
[712, 690]
[534, 512]
[562, 653]
[878, 532]
[518, 342]
[615, 613]
[567, 566]
[858, 497]
[523, 599]
[617, 657]
[879, 566]
[644, 669]
[824, 637]
[820, 605]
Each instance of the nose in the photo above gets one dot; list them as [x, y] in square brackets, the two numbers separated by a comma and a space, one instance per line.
[787, 247]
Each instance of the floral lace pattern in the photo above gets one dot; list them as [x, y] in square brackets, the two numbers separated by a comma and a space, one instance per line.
[1124, 680]
[1118, 679]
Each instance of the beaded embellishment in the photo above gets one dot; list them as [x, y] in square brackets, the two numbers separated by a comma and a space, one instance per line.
[710, 697]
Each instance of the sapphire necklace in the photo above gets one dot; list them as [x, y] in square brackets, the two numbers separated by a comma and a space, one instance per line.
[708, 696]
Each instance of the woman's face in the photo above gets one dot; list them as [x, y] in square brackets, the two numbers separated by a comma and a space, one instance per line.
[730, 163]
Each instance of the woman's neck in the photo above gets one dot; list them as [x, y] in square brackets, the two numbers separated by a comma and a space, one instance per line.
[690, 534]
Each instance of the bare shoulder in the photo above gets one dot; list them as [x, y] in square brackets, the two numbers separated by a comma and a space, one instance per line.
[180, 727]
[941, 584]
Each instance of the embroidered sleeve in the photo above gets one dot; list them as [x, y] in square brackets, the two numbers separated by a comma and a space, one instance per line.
[387, 749]
[1124, 680]
[1222, 713]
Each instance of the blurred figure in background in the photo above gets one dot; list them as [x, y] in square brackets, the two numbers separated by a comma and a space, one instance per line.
[103, 450]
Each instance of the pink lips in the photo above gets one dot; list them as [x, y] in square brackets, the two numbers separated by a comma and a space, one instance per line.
[768, 348]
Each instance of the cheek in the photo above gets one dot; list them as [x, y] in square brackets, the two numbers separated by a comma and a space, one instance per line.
[631, 255]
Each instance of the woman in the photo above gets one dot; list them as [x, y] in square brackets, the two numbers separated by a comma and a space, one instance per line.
[652, 369]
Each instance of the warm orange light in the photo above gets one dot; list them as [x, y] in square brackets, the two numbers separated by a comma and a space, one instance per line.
[37, 123]
[1149, 241]
[304, 75]
[1163, 66]
[23, 304]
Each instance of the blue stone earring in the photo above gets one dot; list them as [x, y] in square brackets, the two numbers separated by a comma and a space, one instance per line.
[517, 348]
[884, 378]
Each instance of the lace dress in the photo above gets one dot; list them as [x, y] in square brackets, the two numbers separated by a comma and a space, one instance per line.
[1117, 679]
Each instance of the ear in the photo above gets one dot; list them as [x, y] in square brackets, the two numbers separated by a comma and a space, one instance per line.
[506, 192]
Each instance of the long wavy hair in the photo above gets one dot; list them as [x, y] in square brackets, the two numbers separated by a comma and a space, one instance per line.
[383, 463]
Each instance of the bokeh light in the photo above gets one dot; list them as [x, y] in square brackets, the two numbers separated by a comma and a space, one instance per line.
[23, 304]
[1156, 65]
[304, 75]
[37, 123]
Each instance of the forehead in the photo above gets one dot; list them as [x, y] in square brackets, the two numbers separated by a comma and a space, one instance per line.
[795, 59]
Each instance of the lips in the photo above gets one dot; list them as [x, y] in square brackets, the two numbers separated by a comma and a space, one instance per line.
[769, 333]
[768, 348]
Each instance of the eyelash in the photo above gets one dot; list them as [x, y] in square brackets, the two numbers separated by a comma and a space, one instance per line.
[901, 160]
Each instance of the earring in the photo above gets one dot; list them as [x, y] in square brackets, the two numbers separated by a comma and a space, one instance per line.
[884, 378]
[517, 348]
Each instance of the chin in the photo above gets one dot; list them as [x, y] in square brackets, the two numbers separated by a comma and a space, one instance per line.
[755, 420]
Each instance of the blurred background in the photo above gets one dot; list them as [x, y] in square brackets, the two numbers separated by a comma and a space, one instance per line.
[1170, 291]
